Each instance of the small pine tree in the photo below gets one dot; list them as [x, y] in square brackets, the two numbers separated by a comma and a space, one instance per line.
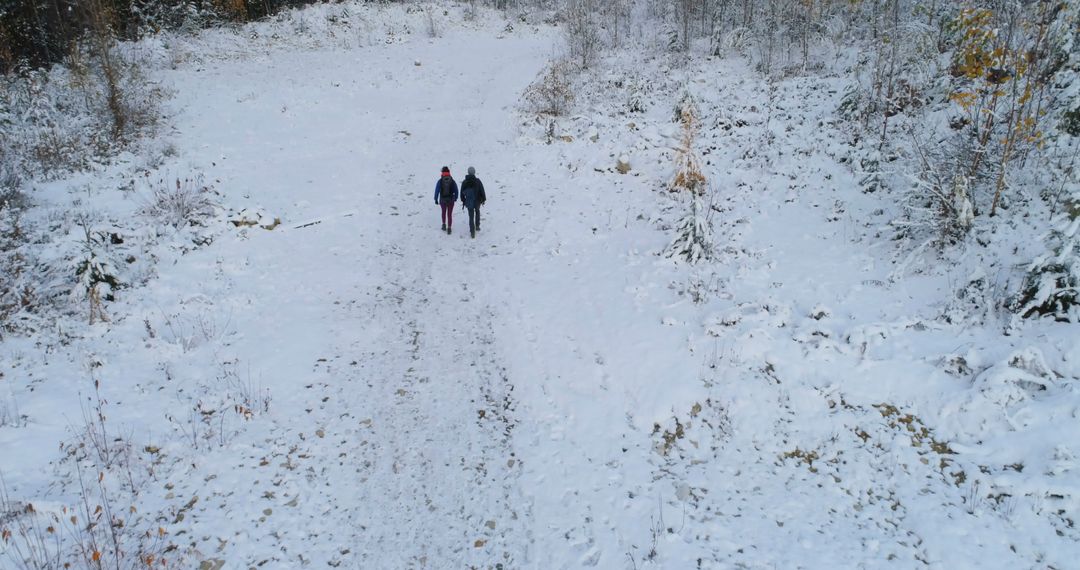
[693, 236]
[635, 98]
[1052, 284]
[95, 277]
[90, 274]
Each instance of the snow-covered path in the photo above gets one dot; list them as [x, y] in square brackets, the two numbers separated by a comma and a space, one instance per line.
[391, 415]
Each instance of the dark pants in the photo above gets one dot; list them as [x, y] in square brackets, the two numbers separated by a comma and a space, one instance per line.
[447, 213]
[474, 219]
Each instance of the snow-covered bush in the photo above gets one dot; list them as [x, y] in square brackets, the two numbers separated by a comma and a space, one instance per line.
[939, 204]
[187, 202]
[552, 91]
[70, 117]
[973, 301]
[151, 16]
[16, 289]
[11, 193]
[736, 39]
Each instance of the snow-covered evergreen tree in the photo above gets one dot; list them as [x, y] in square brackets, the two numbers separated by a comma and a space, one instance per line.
[1052, 284]
[693, 234]
[96, 277]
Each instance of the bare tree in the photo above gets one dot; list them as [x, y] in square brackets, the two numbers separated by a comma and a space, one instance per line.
[99, 17]
[582, 31]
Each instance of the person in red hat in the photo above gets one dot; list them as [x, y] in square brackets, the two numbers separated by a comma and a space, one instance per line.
[446, 193]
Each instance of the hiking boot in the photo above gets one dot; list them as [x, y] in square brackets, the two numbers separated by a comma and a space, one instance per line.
[472, 233]
[448, 232]
[444, 227]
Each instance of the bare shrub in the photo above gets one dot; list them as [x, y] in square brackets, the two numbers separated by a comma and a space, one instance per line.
[552, 91]
[102, 531]
[431, 26]
[9, 413]
[188, 202]
[94, 435]
[208, 423]
[193, 330]
[247, 396]
[939, 206]
[582, 31]
[140, 102]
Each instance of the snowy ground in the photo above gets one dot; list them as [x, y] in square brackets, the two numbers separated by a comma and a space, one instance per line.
[368, 392]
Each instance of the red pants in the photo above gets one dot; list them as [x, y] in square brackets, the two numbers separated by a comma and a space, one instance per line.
[447, 214]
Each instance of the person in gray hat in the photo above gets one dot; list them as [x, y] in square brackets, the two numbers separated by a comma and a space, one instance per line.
[472, 197]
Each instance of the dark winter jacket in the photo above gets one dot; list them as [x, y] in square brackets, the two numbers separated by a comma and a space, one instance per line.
[452, 196]
[472, 191]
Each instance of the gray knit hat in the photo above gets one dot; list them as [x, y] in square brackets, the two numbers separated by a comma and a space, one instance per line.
[472, 171]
